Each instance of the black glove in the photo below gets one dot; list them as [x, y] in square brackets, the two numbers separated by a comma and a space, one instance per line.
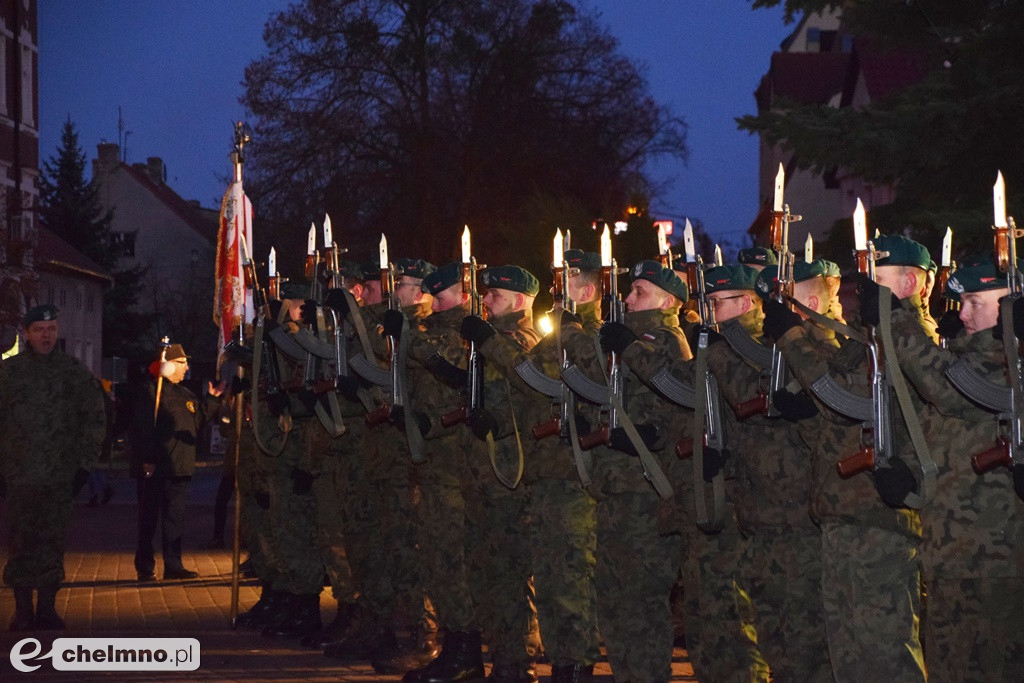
[348, 387]
[275, 311]
[238, 352]
[778, 319]
[794, 407]
[714, 461]
[262, 499]
[582, 425]
[336, 299]
[393, 324]
[481, 423]
[240, 385]
[618, 439]
[615, 337]
[398, 418]
[309, 311]
[694, 334]
[475, 329]
[1018, 480]
[302, 481]
[950, 324]
[277, 403]
[894, 483]
[80, 480]
[308, 400]
[869, 312]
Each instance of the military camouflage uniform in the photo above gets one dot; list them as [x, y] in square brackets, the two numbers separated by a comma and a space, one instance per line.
[636, 563]
[52, 424]
[780, 567]
[973, 551]
[870, 552]
[562, 514]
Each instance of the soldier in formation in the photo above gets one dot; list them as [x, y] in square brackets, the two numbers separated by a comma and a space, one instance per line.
[598, 463]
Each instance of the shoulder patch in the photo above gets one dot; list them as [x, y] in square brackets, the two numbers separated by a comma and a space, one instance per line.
[648, 336]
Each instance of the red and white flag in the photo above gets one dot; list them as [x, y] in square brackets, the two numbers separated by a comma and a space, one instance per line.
[232, 302]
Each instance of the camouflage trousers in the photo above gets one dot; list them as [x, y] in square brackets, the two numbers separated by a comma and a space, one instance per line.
[720, 646]
[781, 575]
[636, 567]
[329, 490]
[38, 518]
[872, 598]
[974, 630]
[564, 544]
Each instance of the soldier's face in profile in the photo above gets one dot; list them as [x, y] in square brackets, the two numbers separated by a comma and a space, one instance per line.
[42, 336]
[729, 304]
[408, 290]
[980, 310]
[372, 293]
[645, 296]
[448, 298]
[499, 302]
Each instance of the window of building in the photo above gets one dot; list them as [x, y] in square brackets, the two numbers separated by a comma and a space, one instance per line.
[63, 297]
[78, 298]
[27, 92]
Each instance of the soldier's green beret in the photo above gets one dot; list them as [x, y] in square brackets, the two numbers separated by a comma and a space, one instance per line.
[662, 277]
[722, 278]
[764, 285]
[414, 267]
[512, 278]
[44, 312]
[831, 268]
[903, 251]
[583, 260]
[442, 278]
[352, 269]
[805, 271]
[933, 266]
[757, 256]
[976, 275]
[766, 279]
[294, 290]
[369, 270]
[679, 264]
[175, 352]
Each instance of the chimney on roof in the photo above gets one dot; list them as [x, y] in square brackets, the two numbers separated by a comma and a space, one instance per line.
[108, 156]
[156, 170]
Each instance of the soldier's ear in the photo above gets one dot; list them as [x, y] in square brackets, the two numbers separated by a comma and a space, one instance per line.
[357, 290]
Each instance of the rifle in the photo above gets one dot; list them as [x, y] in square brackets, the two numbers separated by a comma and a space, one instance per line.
[475, 371]
[560, 274]
[1009, 448]
[763, 403]
[387, 287]
[612, 311]
[268, 352]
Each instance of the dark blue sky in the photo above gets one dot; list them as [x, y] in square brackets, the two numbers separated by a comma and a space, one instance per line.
[175, 67]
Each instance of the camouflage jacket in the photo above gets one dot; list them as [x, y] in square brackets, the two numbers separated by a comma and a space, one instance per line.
[437, 338]
[974, 526]
[810, 353]
[616, 472]
[52, 420]
[549, 457]
[772, 462]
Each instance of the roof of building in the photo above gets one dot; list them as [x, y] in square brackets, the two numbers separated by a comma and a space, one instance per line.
[197, 218]
[55, 255]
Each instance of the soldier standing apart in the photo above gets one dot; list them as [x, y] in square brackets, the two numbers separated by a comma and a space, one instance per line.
[51, 431]
[164, 459]
[636, 563]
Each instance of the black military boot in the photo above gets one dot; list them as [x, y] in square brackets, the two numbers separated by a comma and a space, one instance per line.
[422, 650]
[47, 618]
[24, 614]
[572, 673]
[344, 622]
[460, 660]
[257, 615]
[505, 671]
[300, 618]
[363, 644]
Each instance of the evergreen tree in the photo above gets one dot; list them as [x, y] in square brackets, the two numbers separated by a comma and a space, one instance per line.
[70, 208]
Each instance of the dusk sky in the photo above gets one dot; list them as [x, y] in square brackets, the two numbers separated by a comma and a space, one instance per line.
[174, 67]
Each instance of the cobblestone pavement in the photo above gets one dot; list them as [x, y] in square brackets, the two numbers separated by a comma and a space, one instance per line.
[102, 599]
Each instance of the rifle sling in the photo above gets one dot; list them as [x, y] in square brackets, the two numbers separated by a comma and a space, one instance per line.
[492, 450]
[926, 465]
[827, 322]
[1013, 364]
[257, 362]
[583, 460]
[333, 422]
[716, 520]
